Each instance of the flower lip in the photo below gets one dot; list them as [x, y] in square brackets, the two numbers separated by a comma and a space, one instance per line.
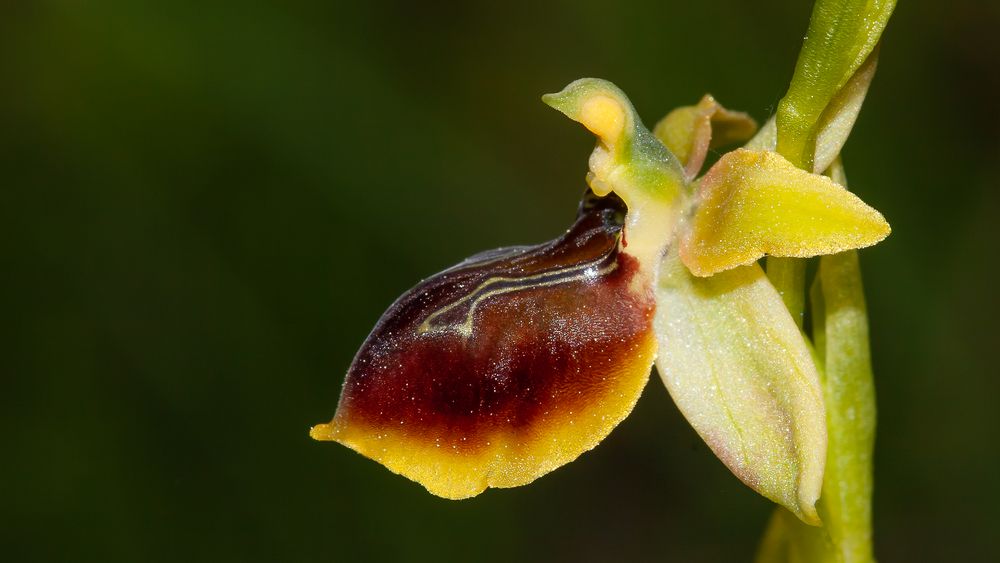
[506, 366]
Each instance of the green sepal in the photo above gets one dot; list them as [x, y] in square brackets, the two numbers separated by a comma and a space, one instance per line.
[743, 376]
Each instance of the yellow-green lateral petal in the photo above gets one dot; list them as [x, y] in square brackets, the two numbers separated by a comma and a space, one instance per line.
[766, 138]
[680, 130]
[738, 368]
[756, 203]
[690, 131]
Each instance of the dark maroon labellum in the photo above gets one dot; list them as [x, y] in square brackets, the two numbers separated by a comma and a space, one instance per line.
[505, 366]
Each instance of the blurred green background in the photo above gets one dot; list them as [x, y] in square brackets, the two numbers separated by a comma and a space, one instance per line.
[205, 206]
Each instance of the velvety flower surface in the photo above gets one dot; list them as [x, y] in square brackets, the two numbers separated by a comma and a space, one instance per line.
[516, 361]
[506, 366]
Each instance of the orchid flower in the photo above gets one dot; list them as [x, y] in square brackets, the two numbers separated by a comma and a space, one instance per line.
[516, 361]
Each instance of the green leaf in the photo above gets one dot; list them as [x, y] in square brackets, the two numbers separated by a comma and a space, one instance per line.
[740, 372]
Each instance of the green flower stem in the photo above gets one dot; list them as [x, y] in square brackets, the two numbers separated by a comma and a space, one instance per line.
[841, 333]
[842, 353]
[849, 393]
[841, 35]
[788, 275]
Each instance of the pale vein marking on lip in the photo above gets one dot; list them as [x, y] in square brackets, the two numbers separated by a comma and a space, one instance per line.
[565, 275]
